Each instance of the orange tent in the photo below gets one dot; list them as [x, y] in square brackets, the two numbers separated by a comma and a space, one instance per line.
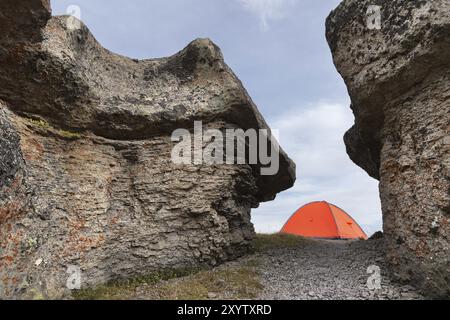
[323, 220]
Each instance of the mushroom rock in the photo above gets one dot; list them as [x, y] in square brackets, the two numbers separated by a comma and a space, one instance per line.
[394, 58]
[87, 184]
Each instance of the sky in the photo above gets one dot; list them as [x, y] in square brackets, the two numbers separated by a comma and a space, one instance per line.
[278, 49]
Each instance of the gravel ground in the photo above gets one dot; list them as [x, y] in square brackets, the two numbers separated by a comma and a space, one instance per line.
[324, 269]
[283, 269]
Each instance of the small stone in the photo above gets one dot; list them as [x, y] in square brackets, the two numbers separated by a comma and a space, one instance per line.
[39, 262]
[212, 295]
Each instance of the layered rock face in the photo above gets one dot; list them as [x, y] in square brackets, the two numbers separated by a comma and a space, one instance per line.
[86, 177]
[398, 77]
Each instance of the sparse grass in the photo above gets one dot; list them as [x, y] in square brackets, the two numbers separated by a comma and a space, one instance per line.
[264, 242]
[46, 126]
[252, 263]
[119, 290]
[39, 123]
[69, 135]
[231, 282]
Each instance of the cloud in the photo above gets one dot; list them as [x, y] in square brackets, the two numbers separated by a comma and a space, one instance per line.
[267, 10]
[313, 137]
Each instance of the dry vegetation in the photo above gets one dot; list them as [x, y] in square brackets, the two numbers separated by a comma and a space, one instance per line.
[264, 242]
[235, 281]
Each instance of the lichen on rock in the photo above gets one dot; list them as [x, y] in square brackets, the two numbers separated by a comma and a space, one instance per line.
[398, 77]
[95, 187]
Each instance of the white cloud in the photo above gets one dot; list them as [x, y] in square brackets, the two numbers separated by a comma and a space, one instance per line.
[313, 138]
[267, 9]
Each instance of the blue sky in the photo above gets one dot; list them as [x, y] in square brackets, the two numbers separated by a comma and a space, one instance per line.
[278, 50]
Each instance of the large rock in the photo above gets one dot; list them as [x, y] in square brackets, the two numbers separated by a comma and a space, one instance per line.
[398, 79]
[86, 177]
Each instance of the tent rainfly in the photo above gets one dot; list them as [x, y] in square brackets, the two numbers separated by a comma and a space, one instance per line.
[323, 220]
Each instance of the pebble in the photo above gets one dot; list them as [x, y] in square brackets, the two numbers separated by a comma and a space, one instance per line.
[333, 269]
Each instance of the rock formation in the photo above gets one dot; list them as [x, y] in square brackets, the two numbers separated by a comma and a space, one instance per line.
[398, 77]
[86, 177]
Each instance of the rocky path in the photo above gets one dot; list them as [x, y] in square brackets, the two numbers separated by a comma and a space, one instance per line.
[321, 269]
[282, 268]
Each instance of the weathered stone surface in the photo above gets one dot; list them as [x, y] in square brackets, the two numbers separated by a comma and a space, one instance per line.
[85, 172]
[399, 83]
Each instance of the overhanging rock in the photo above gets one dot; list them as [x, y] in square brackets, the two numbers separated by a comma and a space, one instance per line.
[86, 177]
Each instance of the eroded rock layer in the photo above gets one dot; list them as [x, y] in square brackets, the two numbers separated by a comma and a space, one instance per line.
[86, 177]
[398, 77]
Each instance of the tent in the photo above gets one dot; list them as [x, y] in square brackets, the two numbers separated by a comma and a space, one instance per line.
[323, 220]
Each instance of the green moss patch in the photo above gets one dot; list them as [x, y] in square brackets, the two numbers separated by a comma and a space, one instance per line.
[264, 242]
[44, 125]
